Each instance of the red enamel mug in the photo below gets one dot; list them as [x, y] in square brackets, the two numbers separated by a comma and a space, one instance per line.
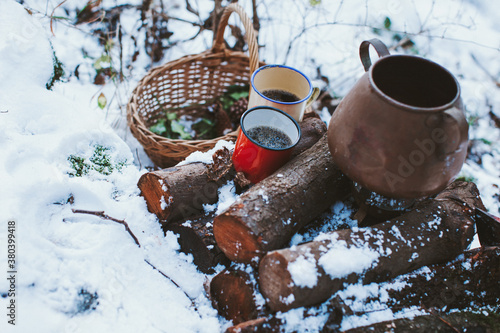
[265, 142]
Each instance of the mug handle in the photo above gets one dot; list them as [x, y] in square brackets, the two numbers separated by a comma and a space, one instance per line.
[364, 53]
[314, 96]
[463, 127]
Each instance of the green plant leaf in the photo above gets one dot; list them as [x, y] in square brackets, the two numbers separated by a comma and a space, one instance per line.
[387, 23]
[179, 129]
[204, 128]
[467, 179]
[233, 93]
[102, 101]
[488, 142]
[237, 95]
[104, 61]
[159, 128]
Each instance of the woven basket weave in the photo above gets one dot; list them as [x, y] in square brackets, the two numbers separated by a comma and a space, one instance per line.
[183, 85]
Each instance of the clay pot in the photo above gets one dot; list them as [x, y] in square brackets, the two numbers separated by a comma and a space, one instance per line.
[401, 130]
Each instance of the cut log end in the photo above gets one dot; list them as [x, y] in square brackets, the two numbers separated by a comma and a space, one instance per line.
[156, 194]
[232, 296]
[236, 240]
[276, 281]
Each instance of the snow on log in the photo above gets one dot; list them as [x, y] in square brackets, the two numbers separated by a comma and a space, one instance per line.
[463, 321]
[435, 231]
[181, 191]
[196, 238]
[266, 216]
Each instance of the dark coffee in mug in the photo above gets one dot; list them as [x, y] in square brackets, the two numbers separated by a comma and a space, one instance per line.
[269, 137]
[281, 95]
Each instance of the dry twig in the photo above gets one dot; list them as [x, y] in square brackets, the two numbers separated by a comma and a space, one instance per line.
[480, 65]
[52, 16]
[105, 216]
[432, 312]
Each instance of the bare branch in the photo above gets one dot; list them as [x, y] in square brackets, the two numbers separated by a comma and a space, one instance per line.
[105, 216]
[191, 9]
[480, 65]
[169, 278]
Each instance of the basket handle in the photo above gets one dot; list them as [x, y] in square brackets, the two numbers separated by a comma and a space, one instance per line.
[253, 49]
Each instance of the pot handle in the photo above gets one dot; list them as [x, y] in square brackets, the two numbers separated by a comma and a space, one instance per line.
[463, 127]
[314, 96]
[364, 53]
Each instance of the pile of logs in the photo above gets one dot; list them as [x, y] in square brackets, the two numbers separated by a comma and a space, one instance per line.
[251, 238]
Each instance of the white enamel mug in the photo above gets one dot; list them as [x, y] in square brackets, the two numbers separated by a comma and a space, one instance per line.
[283, 78]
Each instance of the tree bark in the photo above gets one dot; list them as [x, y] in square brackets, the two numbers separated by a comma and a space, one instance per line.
[266, 216]
[181, 191]
[436, 231]
[488, 228]
[473, 280]
[178, 192]
[453, 322]
[312, 130]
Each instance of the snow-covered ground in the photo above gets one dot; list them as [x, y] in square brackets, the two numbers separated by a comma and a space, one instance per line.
[60, 150]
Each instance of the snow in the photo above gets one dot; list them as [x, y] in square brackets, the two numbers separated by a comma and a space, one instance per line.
[299, 320]
[342, 260]
[206, 157]
[80, 273]
[303, 271]
[227, 196]
[264, 196]
[371, 300]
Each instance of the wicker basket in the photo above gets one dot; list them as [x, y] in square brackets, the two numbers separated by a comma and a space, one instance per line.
[183, 85]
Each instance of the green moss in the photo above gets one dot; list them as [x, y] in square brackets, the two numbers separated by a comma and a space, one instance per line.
[78, 165]
[86, 301]
[100, 161]
[467, 179]
[58, 71]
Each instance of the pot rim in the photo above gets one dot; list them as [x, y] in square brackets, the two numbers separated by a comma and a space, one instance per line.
[409, 107]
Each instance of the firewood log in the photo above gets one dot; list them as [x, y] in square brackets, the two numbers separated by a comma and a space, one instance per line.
[178, 192]
[435, 231]
[312, 130]
[232, 294]
[488, 228]
[266, 216]
[196, 238]
[181, 191]
[462, 321]
[471, 281]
